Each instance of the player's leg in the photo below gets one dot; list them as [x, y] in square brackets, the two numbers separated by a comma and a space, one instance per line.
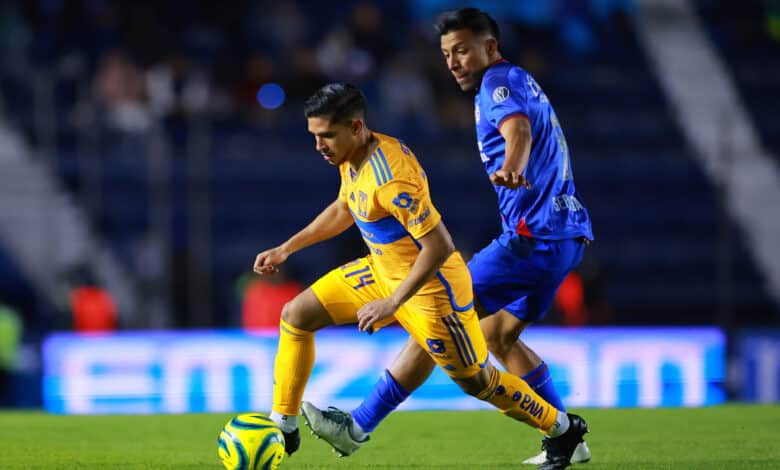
[517, 280]
[301, 317]
[502, 332]
[346, 432]
[457, 345]
[509, 393]
[333, 299]
[410, 369]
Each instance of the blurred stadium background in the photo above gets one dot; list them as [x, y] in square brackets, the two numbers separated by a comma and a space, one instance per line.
[148, 151]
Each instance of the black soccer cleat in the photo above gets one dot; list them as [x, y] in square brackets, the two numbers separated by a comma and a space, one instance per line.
[292, 440]
[560, 449]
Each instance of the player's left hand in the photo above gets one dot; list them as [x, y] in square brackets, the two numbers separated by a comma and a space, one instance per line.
[375, 311]
[510, 179]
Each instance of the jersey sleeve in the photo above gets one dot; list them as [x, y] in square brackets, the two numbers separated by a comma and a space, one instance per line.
[506, 96]
[409, 202]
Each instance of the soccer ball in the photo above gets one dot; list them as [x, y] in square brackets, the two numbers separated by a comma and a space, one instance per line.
[251, 441]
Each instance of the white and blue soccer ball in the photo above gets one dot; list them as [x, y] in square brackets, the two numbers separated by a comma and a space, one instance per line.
[251, 441]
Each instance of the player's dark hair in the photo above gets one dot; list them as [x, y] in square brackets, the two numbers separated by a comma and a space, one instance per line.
[472, 19]
[339, 101]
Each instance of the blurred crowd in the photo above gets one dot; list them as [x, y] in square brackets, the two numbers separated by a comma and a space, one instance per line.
[173, 58]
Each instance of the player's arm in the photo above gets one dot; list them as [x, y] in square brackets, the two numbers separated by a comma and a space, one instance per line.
[516, 131]
[331, 222]
[435, 247]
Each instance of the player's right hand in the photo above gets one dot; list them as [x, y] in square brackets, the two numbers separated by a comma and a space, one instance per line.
[266, 262]
[509, 179]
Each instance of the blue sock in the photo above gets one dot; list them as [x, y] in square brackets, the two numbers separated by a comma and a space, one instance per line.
[385, 397]
[541, 381]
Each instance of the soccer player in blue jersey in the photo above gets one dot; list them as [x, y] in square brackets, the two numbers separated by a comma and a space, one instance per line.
[545, 226]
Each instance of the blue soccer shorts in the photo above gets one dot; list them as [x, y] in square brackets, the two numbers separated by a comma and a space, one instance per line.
[521, 275]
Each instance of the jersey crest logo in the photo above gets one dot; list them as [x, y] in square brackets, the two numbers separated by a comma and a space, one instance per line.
[476, 113]
[500, 94]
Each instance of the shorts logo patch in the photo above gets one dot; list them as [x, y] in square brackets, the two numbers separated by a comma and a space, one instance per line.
[435, 345]
[500, 94]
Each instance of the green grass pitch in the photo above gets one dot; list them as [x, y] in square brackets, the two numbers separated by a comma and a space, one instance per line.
[722, 437]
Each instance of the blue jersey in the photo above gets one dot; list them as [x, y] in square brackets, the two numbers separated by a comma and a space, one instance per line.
[551, 209]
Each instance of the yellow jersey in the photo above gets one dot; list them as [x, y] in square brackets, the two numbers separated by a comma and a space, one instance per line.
[391, 204]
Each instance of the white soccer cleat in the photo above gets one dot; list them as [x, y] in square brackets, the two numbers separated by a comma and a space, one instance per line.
[581, 455]
[333, 425]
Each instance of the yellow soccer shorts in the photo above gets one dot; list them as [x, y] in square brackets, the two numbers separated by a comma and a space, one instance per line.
[452, 338]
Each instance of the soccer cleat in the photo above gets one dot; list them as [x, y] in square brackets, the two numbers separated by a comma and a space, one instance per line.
[334, 426]
[292, 440]
[581, 454]
[561, 449]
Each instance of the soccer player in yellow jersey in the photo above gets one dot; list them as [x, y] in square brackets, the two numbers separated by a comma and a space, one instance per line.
[413, 275]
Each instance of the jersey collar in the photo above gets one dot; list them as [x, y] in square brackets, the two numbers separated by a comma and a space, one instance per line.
[492, 64]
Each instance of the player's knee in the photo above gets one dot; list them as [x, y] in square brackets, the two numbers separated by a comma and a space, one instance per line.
[295, 315]
[305, 312]
[290, 314]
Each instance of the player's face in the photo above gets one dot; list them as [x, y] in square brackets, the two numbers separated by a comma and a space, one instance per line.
[334, 141]
[467, 55]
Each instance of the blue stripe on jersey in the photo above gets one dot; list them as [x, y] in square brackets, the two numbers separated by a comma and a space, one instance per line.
[455, 341]
[465, 335]
[382, 231]
[384, 161]
[382, 173]
[379, 180]
[451, 295]
[447, 286]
